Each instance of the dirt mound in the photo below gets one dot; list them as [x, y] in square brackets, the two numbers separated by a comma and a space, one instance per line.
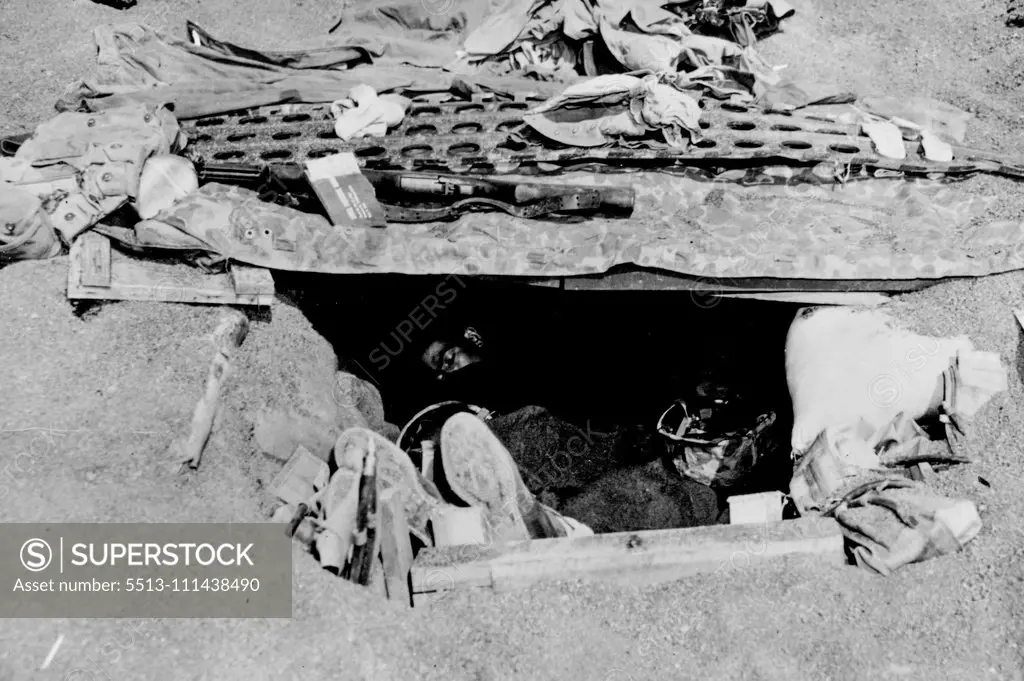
[94, 399]
[91, 402]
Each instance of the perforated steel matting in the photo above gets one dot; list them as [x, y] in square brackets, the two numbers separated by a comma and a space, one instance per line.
[489, 137]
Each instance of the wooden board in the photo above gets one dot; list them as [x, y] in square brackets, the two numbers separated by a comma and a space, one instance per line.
[95, 254]
[635, 278]
[98, 272]
[395, 546]
[853, 298]
[377, 585]
[251, 280]
[634, 558]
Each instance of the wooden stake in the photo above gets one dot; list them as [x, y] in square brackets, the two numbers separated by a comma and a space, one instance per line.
[229, 335]
[395, 546]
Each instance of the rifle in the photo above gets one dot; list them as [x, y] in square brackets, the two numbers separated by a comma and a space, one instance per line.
[408, 196]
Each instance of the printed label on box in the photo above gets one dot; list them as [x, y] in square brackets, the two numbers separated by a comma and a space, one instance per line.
[348, 197]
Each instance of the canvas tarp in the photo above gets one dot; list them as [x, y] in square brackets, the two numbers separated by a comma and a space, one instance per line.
[877, 229]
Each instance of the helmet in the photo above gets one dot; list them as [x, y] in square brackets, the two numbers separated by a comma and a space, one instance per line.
[716, 440]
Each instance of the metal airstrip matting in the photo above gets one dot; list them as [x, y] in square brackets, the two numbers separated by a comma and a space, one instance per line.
[489, 137]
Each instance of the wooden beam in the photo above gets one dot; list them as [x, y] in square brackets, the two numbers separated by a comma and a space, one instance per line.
[644, 279]
[634, 558]
[97, 272]
[635, 278]
[853, 298]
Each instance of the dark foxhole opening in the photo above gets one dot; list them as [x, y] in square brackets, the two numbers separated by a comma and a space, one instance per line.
[577, 383]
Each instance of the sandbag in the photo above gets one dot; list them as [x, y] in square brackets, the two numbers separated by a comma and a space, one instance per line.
[847, 364]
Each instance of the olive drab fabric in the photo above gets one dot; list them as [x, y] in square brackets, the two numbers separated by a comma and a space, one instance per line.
[140, 64]
[892, 523]
[85, 166]
[509, 46]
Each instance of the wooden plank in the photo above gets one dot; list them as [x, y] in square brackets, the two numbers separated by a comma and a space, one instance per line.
[251, 280]
[95, 259]
[645, 557]
[854, 298]
[431, 582]
[75, 269]
[395, 547]
[377, 585]
[134, 279]
[647, 279]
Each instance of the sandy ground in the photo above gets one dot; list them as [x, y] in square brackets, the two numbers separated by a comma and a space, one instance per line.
[95, 398]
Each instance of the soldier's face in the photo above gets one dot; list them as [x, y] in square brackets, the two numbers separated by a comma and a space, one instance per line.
[444, 358]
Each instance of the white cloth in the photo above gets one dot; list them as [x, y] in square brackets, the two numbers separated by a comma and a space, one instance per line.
[887, 138]
[364, 114]
[936, 149]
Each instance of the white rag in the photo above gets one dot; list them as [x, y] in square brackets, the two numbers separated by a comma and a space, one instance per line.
[365, 114]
